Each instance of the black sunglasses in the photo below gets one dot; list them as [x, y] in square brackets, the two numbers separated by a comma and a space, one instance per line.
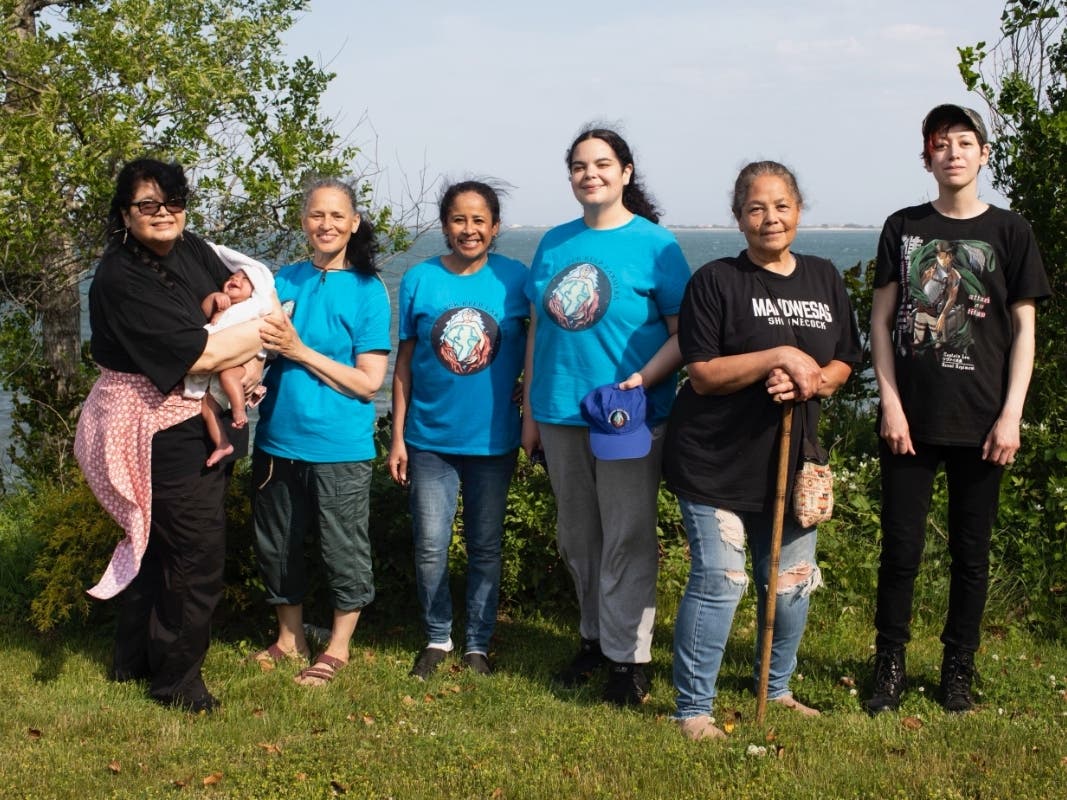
[150, 208]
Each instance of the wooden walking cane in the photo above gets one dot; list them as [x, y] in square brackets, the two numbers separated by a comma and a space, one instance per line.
[776, 552]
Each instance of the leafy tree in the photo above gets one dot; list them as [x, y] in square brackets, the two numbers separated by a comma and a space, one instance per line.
[1023, 79]
[88, 85]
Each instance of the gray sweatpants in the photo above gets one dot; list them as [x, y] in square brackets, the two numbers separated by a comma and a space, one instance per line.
[606, 533]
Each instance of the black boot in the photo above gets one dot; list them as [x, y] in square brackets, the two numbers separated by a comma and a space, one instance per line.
[589, 659]
[889, 680]
[957, 672]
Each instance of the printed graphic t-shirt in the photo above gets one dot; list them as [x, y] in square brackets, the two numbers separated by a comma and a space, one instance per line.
[470, 341]
[600, 297]
[953, 331]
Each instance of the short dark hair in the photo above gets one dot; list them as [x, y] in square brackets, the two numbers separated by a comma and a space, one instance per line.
[943, 117]
[169, 177]
[489, 194]
[635, 197]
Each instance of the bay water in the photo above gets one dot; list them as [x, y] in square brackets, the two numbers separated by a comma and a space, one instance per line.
[844, 246]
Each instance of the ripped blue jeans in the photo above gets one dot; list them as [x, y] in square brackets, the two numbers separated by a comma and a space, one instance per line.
[717, 580]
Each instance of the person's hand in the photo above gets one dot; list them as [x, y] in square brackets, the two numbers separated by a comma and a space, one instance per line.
[279, 336]
[531, 435]
[797, 378]
[896, 432]
[253, 376]
[635, 380]
[398, 463]
[1003, 442]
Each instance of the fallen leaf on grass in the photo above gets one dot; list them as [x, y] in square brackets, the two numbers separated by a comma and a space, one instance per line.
[273, 749]
[912, 723]
[428, 698]
[498, 792]
[369, 657]
[301, 776]
[847, 680]
[338, 788]
[181, 783]
[454, 689]
[368, 720]
[408, 700]
[212, 779]
[730, 720]
[115, 767]
[257, 713]
[34, 734]
[265, 664]
[1063, 761]
[772, 734]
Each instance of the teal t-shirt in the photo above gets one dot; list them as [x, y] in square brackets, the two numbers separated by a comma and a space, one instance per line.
[601, 297]
[339, 314]
[470, 341]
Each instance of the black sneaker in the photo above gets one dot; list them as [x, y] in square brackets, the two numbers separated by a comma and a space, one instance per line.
[477, 662]
[957, 672]
[627, 684]
[204, 703]
[590, 658]
[889, 681]
[427, 662]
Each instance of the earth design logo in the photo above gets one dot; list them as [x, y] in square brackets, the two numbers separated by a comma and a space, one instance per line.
[465, 340]
[578, 297]
[618, 419]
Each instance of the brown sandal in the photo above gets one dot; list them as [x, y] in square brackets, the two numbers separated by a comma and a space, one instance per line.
[321, 672]
[273, 656]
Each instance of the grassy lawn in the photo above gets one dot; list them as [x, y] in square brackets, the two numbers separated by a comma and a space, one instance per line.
[66, 732]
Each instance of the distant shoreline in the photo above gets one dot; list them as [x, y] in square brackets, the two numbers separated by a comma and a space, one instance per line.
[845, 228]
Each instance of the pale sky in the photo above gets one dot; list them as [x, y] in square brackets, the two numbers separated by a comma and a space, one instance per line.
[836, 89]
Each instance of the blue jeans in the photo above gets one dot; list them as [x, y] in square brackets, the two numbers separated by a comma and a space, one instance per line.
[716, 581]
[436, 480]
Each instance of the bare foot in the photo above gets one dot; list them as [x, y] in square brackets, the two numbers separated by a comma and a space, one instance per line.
[700, 727]
[219, 454]
[790, 702]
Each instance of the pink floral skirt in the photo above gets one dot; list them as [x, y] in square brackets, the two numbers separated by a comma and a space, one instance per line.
[113, 446]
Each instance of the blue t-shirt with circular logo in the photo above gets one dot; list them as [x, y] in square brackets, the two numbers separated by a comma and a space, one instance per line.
[601, 297]
[470, 341]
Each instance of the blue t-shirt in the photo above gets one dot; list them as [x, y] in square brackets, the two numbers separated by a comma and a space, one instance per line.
[339, 314]
[470, 341]
[600, 297]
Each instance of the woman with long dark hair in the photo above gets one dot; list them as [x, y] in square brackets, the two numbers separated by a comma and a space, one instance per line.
[605, 290]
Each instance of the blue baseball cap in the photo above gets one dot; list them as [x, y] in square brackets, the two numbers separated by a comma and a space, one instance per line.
[617, 422]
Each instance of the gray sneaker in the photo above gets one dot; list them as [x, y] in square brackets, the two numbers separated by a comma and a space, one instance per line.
[427, 662]
[477, 662]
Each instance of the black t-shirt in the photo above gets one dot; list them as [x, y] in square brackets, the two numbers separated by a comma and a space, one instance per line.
[149, 321]
[722, 449]
[953, 330]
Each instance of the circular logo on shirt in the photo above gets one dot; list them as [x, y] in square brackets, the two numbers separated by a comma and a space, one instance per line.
[466, 340]
[578, 297]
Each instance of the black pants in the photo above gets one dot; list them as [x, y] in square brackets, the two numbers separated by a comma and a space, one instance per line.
[164, 625]
[973, 494]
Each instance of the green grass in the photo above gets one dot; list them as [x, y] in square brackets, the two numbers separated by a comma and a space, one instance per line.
[66, 732]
